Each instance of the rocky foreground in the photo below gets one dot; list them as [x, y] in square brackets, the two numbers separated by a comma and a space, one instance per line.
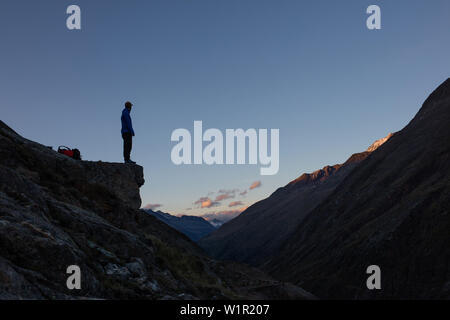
[56, 212]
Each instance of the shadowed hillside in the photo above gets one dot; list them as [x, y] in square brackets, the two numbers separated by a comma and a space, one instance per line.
[393, 211]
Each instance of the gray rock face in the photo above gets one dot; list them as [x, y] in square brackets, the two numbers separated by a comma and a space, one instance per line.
[123, 180]
[56, 212]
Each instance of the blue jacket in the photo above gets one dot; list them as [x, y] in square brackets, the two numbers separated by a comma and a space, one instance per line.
[126, 122]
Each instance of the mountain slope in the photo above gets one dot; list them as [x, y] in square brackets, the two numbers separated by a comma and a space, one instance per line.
[56, 212]
[259, 231]
[393, 211]
[193, 227]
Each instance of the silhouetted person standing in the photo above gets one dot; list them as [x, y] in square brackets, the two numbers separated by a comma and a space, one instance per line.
[127, 132]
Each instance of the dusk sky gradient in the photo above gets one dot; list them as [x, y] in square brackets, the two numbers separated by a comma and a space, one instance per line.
[309, 68]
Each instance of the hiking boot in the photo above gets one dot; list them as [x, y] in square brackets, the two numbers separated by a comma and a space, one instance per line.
[129, 161]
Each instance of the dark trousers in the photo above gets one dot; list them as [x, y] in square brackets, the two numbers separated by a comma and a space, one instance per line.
[127, 145]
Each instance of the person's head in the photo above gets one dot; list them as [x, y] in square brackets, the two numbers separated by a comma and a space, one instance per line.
[128, 105]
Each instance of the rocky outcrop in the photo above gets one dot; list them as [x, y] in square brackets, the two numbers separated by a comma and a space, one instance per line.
[392, 211]
[123, 180]
[41, 164]
[258, 232]
[56, 212]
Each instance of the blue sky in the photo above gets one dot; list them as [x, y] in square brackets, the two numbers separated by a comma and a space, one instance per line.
[309, 68]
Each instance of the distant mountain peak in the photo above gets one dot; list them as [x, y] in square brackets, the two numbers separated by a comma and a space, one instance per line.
[374, 146]
[192, 226]
[317, 175]
[325, 172]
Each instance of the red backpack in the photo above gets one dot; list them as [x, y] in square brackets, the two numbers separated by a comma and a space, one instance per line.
[73, 153]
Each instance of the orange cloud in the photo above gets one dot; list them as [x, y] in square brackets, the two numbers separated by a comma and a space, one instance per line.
[235, 204]
[255, 184]
[206, 202]
[223, 196]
